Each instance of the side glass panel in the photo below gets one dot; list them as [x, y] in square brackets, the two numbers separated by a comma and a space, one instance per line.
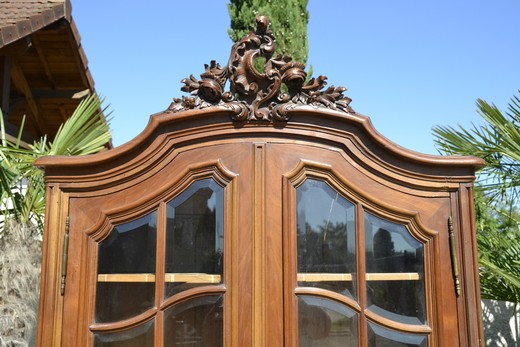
[195, 237]
[326, 239]
[382, 337]
[323, 322]
[195, 323]
[126, 270]
[395, 271]
[141, 335]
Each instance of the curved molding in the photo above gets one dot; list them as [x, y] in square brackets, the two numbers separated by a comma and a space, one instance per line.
[168, 136]
[330, 295]
[309, 169]
[138, 208]
[393, 325]
[351, 304]
[124, 324]
[191, 294]
[151, 313]
[160, 120]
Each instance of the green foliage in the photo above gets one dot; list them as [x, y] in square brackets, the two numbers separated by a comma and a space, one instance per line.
[288, 20]
[23, 189]
[497, 142]
[498, 238]
[496, 203]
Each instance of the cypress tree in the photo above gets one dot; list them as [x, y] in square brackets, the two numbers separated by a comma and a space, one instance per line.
[288, 18]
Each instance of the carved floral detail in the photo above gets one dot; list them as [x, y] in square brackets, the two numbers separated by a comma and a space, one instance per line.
[254, 95]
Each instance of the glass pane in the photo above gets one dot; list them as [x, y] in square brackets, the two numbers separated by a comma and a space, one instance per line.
[395, 271]
[126, 270]
[323, 322]
[326, 238]
[195, 237]
[141, 335]
[195, 323]
[382, 337]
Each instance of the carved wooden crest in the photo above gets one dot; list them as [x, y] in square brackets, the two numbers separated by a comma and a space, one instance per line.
[255, 95]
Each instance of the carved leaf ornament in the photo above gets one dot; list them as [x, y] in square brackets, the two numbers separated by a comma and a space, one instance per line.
[255, 95]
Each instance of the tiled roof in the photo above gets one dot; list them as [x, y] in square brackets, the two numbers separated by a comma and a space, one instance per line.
[19, 18]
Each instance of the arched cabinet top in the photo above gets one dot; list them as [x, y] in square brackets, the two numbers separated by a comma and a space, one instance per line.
[274, 105]
[331, 128]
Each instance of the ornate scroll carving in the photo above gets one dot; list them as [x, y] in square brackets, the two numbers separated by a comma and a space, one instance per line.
[255, 95]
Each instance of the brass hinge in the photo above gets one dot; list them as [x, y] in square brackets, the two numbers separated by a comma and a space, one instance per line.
[64, 256]
[453, 252]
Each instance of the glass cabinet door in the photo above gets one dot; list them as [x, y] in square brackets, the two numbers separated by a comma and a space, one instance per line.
[317, 265]
[355, 283]
[143, 281]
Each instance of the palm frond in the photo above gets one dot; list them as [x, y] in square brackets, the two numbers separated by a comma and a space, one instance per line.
[23, 188]
[497, 142]
[85, 132]
[499, 263]
[498, 220]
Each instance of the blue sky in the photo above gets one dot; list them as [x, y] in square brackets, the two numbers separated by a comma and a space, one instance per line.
[408, 65]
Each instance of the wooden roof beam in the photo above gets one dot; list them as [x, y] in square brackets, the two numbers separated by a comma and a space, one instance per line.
[21, 84]
[75, 41]
[64, 115]
[12, 132]
[5, 85]
[41, 55]
[75, 94]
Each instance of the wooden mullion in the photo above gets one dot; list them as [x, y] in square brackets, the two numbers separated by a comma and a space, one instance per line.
[160, 273]
[259, 317]
[231, 270]
[289, 237]
[361, 275]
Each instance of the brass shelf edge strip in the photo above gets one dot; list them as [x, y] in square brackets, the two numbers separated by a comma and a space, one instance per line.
[169, 277]
[333, 277]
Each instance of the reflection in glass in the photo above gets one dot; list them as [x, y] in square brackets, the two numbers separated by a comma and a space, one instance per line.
[195, 236]
[382, 337]
[326, 238]
[141, 335]
[390, 251]
[128, 250]
[195, 323]
[323, 322]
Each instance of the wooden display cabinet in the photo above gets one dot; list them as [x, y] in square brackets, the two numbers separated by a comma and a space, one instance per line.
[268, 215]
